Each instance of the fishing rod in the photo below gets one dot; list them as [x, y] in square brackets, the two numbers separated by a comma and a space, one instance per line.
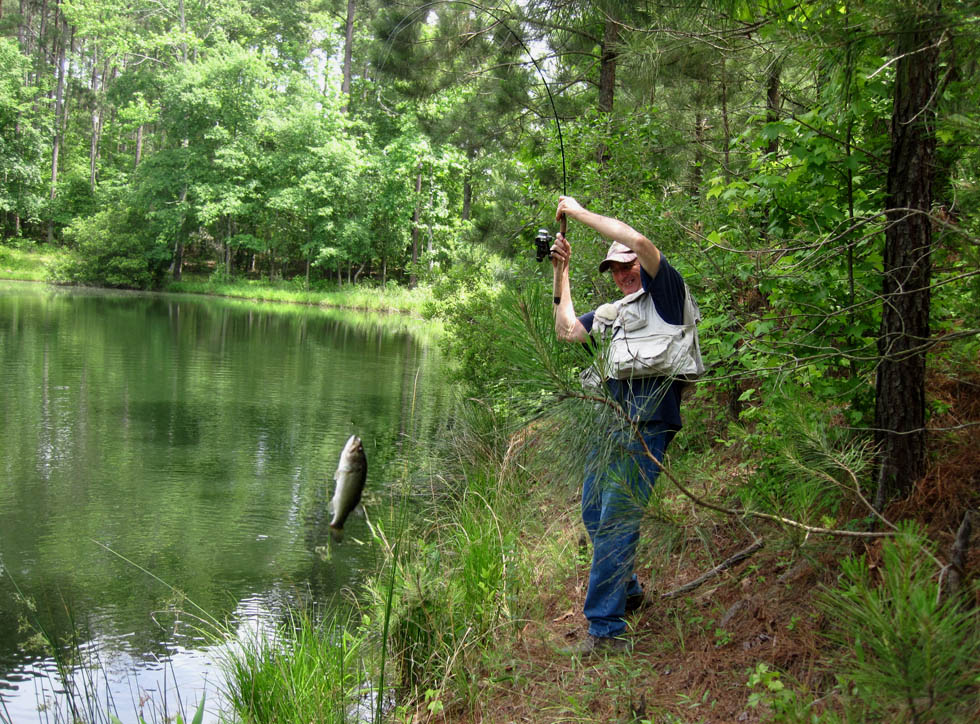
[543, 239]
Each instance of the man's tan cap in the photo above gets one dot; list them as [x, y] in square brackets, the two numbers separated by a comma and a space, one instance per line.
[617, 252]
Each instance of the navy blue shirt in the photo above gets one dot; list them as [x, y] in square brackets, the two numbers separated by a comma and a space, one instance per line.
[652, 399]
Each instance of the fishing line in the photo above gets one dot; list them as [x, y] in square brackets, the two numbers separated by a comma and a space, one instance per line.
[403, 23]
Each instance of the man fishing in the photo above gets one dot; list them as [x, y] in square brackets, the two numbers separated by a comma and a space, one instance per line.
[617, 487]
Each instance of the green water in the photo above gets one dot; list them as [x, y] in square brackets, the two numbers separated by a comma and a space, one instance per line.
[196, 438]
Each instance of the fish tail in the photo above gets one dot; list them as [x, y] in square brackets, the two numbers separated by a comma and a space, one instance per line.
[337, 533]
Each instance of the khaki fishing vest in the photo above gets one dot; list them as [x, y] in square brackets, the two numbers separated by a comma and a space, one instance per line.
[635, 341]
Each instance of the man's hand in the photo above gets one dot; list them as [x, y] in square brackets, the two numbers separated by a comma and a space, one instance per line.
[561, 252]
[567, 206]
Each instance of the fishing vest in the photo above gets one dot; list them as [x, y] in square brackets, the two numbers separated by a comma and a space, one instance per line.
[635, 341]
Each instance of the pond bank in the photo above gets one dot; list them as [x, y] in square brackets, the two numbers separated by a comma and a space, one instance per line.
[18, 264]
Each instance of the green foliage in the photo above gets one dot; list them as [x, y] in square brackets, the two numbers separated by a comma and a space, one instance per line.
[74, 198]
[451, 594]
[808, 464]
[21, 138]
[467, 299]
[310, 670]
[771, 692]
[908, 651]
[110, 249]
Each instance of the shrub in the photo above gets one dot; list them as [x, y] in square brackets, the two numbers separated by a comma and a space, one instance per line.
[111, 250]
[907, 651]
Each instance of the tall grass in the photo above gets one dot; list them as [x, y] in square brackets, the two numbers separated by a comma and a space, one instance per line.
[451, 594]
[75, 688]
[311, 669]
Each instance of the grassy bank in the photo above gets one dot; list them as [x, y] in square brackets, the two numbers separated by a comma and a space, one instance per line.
[392, 298]
[29, 264]
[753, 619]
[34, 264]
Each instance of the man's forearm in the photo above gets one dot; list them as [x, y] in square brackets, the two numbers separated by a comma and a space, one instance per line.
[610, 228]
[567, 326]
[616, 230]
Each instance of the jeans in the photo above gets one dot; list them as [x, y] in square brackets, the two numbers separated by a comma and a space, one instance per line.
[613, 499]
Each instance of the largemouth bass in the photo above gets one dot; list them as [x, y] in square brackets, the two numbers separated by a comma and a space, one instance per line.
[350, 476]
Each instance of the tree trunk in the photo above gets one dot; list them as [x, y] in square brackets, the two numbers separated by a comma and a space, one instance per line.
[773, 100]
[900, 408]
[416, 216]
[773, 103]
[42, 34]
[183, 30]
[177, 264]
[607, 81]
[348, 55]
[228, 251]
[700, 138]
[726, 129]
[467, 197]
[139, 144]
[59, 98]
[430, 247]
[468, 186]
[96, 123]
[607, 65]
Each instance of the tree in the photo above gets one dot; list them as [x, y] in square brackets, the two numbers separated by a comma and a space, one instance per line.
[20, 143]
[900, 400]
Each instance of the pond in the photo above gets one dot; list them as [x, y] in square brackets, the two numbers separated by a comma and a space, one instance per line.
[164, 455]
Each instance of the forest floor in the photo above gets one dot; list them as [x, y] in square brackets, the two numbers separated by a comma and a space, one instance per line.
[695, 654]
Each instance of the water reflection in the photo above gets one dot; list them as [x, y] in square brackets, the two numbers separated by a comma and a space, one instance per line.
[196, 440]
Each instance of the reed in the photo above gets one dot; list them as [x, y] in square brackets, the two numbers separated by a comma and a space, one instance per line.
[76, 691]
[311, 669]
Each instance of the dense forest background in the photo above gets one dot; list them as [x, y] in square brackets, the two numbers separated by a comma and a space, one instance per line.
[812, 168]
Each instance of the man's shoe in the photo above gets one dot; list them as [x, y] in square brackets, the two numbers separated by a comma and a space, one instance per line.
[637, 601]
[598, 646]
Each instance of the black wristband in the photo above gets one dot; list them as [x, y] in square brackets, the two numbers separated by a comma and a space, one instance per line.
[557, 300]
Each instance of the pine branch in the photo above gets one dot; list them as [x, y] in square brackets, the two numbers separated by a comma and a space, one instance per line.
[713, 506]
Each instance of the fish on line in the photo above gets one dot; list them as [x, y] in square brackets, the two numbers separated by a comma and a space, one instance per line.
[350, 476]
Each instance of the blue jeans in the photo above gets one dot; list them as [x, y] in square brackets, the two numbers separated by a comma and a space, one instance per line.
[613, 499]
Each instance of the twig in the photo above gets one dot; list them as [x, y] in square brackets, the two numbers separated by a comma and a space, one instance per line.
[723, 566]
[957, 559]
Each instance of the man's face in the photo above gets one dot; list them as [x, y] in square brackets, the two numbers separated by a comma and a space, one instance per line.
[626, 276]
